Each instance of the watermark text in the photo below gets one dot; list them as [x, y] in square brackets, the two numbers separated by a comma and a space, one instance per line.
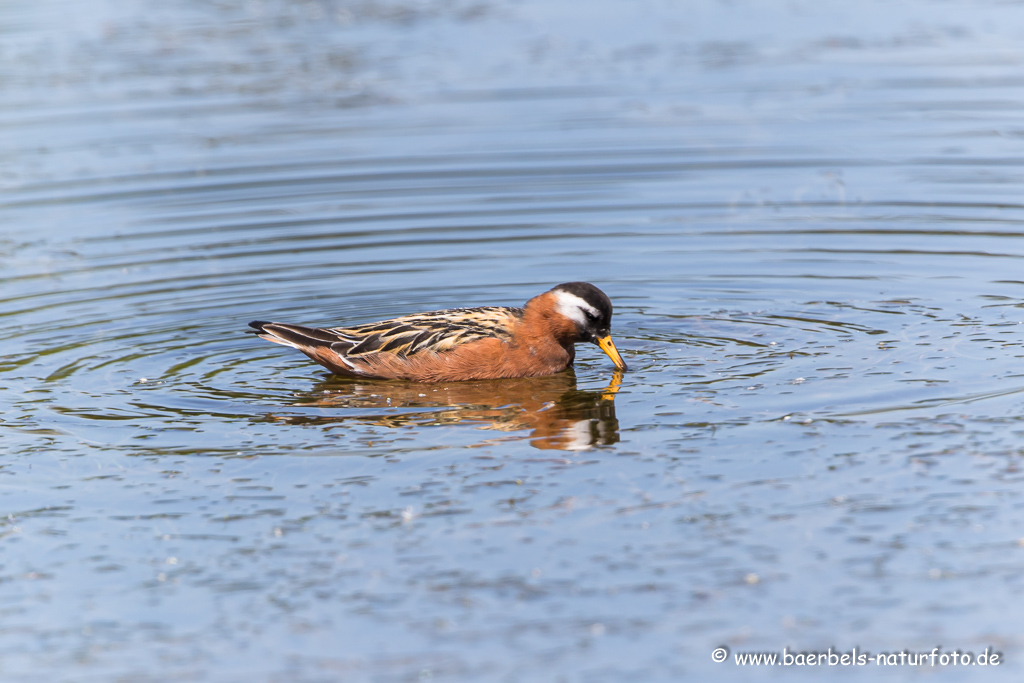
[857, 657]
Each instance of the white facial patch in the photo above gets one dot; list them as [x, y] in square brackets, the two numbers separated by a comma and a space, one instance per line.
[574, 308]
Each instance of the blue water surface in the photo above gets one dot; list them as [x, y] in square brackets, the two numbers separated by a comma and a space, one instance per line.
[808, 215]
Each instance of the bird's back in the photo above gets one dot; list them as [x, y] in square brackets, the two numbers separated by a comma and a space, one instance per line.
[405, 347]
[436, 331]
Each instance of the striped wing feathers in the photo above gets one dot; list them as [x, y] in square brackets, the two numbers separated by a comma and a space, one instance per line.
[437, 331]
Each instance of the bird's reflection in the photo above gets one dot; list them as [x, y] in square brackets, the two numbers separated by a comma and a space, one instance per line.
[558, 415]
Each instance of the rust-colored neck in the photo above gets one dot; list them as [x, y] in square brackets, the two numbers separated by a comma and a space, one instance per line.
[541, 319]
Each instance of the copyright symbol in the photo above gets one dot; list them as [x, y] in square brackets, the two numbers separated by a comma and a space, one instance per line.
[719, 654]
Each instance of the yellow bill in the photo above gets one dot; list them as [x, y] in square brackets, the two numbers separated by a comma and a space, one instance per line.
[608, 346]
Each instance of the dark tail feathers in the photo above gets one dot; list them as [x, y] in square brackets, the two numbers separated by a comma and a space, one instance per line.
[293, 335]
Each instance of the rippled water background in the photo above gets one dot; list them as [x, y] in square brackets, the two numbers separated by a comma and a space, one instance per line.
[809, 217]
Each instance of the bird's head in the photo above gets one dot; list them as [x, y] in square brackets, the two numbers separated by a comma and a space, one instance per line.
[591, 311]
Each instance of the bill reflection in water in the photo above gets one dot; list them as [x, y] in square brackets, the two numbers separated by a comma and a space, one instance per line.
[556, 413]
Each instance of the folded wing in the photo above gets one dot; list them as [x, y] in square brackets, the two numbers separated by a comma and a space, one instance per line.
[358, 350]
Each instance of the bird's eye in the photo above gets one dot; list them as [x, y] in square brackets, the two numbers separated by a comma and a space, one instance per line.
[590, 316]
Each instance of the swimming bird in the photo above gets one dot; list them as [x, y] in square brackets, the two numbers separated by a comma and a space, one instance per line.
[489, 342]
